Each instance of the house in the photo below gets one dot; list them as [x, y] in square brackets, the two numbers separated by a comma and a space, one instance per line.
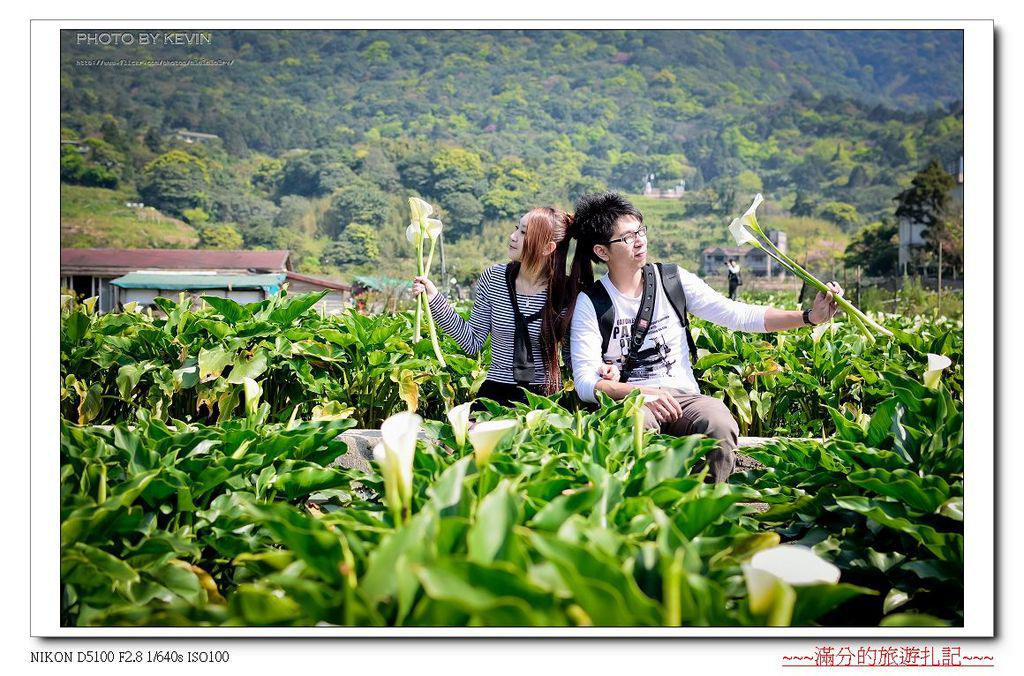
[752, 260]
[194, 136]
[119, 276]
[911, 233]
[673, 193]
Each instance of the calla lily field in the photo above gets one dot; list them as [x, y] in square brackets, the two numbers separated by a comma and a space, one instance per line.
[200, 482]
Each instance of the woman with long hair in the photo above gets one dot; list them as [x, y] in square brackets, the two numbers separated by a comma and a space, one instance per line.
[525, 305]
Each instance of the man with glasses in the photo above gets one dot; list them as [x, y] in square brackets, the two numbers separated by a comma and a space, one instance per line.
[631, 318]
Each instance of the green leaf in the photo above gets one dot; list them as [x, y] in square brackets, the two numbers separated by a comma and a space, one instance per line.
[295, 308]
[305, 480]
[305, 535]
[498, 513]
[946, 546]
[446, 492]
[127, 378]
[213, 362]
[477, 588]
[695, 514]
[258, 606]
[925, 494]
[82, 563]
[912, 620]
[813, 601]
[553, 514]
[709, 360]
[243, 368]
[231, 311]
[894, 599]
[390, 561]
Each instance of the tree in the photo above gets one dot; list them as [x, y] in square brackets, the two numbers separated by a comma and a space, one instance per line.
[94, 163]
[356, 245]
[357, 202]
[174, 182]
[465, 212]
[220, 236]
[875, 248]
[842, 214]
[927, 201]
[457, 170]
[801, 205]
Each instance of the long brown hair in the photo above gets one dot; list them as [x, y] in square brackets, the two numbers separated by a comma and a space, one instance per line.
[543, 225]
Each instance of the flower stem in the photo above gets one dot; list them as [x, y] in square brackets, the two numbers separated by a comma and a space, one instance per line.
[416, 333]
[816, 283]
[433, 332]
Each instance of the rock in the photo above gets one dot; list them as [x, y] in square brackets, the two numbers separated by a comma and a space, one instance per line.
[360, 444]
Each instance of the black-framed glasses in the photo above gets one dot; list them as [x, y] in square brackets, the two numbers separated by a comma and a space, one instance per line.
[630, 237]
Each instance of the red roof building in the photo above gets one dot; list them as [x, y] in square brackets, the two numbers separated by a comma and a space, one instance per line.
[119, 261]
[89, 272]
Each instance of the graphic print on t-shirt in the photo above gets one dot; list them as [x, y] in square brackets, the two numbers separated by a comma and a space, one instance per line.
[655, 358]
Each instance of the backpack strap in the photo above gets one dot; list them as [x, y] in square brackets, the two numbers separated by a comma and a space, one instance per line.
[604, 310]
[522, 350]
[673, 287]
[642, 323]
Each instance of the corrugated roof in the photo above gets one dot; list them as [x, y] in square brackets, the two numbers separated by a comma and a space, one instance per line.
[173, 259]
[318, 281]
[184, 282]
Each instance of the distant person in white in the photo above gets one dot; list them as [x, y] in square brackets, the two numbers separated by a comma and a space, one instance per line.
[612, 229]
[734, 277]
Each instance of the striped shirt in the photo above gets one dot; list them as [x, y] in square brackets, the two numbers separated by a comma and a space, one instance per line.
[492, 315]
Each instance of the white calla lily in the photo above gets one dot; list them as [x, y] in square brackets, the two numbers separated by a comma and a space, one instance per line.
[796, 565]
[399, 433]
[433, 228]
[746, 230]
[420, 209]
[769, 571]
[459, 418]
[818, 331]
[413, 232]
[749, 217]
[936, 364]
[485, 437]
[740, 233]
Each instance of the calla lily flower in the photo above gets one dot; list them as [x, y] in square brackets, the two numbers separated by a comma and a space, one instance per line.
[459, 418]
[430, 229]
[413, 232]
[818, 331]
[936, 364]
[741, 234]
[485, 437]
[422, 227]
[796, 565]
[749, 217]
[420, 209]
[770, 571]
[433, 228]
[746, 230]
[399, 433]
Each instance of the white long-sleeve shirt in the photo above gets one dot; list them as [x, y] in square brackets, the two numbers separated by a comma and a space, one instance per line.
[664, 357]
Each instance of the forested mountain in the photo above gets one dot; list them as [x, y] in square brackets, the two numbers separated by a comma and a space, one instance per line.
[322, 134]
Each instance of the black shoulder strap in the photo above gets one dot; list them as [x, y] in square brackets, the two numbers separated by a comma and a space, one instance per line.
[641, 324]
[604, 310]
[673, 287]
[522, 349]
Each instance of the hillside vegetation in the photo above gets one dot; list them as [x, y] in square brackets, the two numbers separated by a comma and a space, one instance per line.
[322, 135]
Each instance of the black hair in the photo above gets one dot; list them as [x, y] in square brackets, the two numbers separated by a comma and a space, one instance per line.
[594, 223]
[596, 214]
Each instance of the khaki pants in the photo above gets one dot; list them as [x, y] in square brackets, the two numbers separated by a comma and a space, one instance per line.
[708, 416]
